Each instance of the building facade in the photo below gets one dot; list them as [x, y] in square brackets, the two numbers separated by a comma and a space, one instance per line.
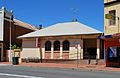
[112, 32]
[112, 25]
[63, 41]
[10, 29]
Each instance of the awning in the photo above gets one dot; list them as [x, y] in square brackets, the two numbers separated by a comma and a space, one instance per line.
[116, 35]
[104, 36]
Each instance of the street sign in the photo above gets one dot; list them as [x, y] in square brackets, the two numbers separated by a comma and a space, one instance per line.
[76, 45]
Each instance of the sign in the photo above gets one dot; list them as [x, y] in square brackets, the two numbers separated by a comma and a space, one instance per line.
[112, 51]
[108, 16]
[76, 45]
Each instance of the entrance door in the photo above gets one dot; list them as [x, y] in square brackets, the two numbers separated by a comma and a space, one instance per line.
[92, 53]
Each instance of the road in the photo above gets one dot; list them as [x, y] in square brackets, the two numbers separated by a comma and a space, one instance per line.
[37, 72]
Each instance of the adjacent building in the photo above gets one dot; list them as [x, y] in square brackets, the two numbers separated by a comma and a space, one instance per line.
[63, 41]
[10, 29]
[112, 25]
[112, 32]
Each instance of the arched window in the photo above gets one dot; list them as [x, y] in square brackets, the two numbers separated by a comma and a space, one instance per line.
[66, 45]
[56, 46]
[47, 46]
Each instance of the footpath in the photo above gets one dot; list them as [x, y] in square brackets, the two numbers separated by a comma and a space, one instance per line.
[72, 66]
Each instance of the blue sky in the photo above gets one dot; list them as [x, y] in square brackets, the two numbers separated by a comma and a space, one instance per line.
[48, 12]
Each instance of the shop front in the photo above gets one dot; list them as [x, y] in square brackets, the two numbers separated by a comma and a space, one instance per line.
[112, 50]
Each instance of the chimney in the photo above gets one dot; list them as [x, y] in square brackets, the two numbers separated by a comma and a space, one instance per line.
[74, 20]
[40, 26]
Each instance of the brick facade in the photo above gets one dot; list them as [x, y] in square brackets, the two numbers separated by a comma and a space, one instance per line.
[16, 31]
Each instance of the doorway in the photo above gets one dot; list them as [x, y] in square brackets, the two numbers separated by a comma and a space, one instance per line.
[92, 53]
[90, 48]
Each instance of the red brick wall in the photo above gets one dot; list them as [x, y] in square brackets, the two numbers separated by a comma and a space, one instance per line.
[65, 55]
[56, 55]
[16, 31]
[47, 55]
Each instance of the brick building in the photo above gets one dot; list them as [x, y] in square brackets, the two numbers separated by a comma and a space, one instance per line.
[17, 28]
[63, 41]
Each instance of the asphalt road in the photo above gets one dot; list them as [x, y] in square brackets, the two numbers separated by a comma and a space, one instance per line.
[37, 72]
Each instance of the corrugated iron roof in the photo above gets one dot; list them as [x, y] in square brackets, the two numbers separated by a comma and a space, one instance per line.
[25, 25]
[69, 28]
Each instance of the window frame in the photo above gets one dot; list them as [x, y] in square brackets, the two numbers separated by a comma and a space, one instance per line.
[64, 45]
[56, 45]
[113, 20]
[48, 45]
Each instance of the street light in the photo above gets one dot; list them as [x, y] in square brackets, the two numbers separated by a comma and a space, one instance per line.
[76, 46]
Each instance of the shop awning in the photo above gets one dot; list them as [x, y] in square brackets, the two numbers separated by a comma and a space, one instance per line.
[116, 35]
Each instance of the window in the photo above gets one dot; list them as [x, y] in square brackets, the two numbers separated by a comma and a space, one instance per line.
[113, 20]
[48, 46]
[56, 46]
[66, 45]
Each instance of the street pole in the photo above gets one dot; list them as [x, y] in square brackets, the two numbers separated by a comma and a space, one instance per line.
[76, 46]
[40, 49]
[77, 58]
[40, 54]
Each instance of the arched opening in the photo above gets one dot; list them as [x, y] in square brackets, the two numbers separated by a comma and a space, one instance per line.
[66, 45]
[47, 46]
[56, 46]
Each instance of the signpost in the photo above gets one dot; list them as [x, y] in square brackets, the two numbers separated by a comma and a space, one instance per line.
[76, 46]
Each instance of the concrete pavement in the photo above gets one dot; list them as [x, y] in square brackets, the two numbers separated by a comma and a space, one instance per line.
[60, 65]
